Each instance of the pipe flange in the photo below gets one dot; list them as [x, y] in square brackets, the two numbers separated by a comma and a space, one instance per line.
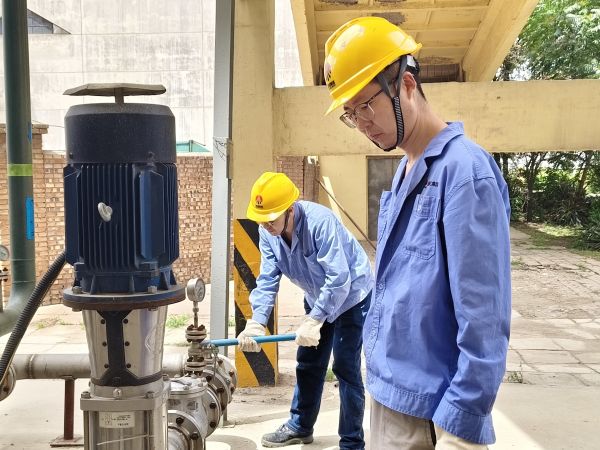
[214, 411]
[9, 382]
[193, 334]
[185, 424]
[221, 384]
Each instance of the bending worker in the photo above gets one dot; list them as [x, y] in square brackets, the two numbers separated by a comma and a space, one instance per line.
[436, 336]
[307, 243]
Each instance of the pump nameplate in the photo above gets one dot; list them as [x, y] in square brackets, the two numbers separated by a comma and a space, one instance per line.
[117, 419]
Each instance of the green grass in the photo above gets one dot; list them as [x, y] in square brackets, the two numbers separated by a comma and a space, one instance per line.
[178, 320]
[546, 236]
[515, 376]
[330, 376]
[52, 321]
[518, 264]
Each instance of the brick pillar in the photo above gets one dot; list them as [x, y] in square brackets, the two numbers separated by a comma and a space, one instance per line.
[293, 167]
[311, 177]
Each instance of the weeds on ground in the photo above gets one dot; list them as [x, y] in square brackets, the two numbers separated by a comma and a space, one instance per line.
[330, 376]
[546, 236]
[178, 320]
[52, 321]
[518, 263]
[514, 376]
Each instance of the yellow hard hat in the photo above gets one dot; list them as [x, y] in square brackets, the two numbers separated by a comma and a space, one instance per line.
[358, 51]
[272, 194]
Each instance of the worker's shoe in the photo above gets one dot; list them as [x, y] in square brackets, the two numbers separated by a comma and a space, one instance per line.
[285, 436]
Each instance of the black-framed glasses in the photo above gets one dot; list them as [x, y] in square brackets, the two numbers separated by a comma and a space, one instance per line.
[361, 111]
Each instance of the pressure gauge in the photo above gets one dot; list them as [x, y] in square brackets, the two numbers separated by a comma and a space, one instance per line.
[4, 254]
[195, 289]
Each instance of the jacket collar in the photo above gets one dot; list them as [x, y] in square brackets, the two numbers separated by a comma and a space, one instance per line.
[402, 190]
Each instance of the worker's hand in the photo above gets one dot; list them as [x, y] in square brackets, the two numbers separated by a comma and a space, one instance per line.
[309, 332]
[253, 329]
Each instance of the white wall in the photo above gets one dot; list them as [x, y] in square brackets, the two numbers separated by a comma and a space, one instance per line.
[137, 41]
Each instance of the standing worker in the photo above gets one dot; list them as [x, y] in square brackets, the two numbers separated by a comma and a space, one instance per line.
[436, 335]
[307, 243]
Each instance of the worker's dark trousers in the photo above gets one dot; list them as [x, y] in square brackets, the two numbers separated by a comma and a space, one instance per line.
[344, 337]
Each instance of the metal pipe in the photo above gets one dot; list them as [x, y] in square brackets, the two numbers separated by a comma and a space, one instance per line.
[347, 215]
[69, 409]
[29, 309]
[74, 366]
[19, 159]
[259, 339]
[221, 187]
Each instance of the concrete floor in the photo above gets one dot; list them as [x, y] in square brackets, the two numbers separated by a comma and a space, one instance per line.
[526, 417]
[550, 400]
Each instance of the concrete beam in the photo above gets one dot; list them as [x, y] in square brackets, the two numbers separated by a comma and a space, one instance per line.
[501, 116]
[498, 31]
[368, 8]
[304, 22]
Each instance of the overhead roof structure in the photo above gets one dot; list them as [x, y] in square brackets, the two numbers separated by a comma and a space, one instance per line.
[463, 40]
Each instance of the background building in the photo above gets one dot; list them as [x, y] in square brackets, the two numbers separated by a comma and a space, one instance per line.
[74, 42]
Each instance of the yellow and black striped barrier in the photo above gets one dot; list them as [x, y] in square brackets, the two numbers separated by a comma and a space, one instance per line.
[254, 369]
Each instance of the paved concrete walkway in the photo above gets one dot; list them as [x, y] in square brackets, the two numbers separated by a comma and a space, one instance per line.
[549, 401]
[555, 337]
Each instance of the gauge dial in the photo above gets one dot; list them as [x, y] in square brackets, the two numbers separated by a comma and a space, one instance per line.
[195, 289]
[4, 253]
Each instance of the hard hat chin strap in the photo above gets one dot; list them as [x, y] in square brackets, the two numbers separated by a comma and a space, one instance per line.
[395, 102]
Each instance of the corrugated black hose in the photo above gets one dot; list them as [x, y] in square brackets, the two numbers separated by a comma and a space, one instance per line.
[35, 300]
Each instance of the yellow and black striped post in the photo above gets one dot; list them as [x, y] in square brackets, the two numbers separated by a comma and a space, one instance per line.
[254, 369]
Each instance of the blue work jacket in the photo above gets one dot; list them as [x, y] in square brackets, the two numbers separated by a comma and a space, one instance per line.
[436, 335]
[325, 261]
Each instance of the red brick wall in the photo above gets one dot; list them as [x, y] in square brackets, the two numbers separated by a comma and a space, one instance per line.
[292, 166]
[303, 172]
[48, 211]
[195, 211]
[195, 204]
[195, 215]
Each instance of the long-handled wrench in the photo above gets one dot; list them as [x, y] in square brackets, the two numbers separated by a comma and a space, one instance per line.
[259, 339]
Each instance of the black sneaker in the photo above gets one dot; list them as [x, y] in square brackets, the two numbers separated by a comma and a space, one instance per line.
[284, 436]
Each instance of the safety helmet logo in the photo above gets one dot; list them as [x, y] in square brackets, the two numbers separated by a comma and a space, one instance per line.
[329, 76]
[258, 201]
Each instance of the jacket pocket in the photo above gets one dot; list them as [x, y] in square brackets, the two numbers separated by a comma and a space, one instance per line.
[421, 234]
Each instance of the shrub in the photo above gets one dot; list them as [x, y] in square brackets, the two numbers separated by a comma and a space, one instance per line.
[589, 236]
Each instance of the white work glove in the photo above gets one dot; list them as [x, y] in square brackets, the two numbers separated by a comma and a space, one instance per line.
[309, 332]
[245, 341]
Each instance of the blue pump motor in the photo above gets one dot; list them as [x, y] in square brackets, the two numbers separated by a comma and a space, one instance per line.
[121, 213]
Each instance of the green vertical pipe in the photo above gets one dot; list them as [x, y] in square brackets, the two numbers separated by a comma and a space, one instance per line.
[19, 159]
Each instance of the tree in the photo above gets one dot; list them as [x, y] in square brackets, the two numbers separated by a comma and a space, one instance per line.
[532, 163]
[561, 40]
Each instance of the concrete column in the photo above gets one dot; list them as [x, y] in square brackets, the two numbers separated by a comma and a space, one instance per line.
[253, 83]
